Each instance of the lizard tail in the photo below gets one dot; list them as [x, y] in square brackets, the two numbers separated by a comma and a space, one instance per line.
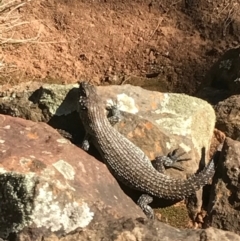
[195, 182]
[179, 189]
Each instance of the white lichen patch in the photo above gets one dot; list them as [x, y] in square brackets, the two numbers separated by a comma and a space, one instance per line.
[165, 105]
[185, 147]
[66, 186]
[168, 145]
[177, 125]
[125, 103]
[2, 141]
[65, 169]
[23, 161]
[62, 141]
[75, 216]
[2, 170]
[7, 127]
[48, 172]
[50, 214]
[46, 152]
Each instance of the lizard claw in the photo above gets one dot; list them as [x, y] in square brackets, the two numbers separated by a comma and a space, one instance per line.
[169, 161]
[174, 157]
[85, 145]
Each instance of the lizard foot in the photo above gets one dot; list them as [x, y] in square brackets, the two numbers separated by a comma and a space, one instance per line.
[143, 202]
[85, 145]
[114, 114]
[169, 161]
[86, 142]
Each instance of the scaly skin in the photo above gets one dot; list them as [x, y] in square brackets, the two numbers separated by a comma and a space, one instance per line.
[126, 161]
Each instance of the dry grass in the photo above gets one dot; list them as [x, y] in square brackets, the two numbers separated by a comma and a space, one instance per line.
[227, 12]
[10, 22]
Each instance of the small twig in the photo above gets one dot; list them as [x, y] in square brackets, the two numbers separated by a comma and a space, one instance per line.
[5, 28]
[16, 7]
[125, 80]
[228, 20]
[154, 31]
[6, 6]
[17, 41]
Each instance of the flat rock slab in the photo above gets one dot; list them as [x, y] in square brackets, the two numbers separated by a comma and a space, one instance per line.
[52, 184]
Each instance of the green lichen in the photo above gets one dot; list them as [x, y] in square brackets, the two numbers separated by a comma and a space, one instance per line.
[16, 199]
[176, 216]
[58, 99]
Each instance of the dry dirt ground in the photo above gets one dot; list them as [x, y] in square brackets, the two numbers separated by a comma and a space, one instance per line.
[163, 45]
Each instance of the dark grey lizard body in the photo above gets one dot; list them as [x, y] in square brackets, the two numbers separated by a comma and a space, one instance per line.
[126, 161]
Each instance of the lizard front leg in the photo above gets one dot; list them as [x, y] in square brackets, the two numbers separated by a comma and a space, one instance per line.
[114, 114]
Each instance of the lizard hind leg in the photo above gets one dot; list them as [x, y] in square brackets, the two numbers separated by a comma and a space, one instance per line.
[143, 202]
[169, 161]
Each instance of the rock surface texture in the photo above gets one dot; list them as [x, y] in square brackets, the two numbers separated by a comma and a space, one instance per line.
[156, 122]
[224, 203]
[228, 117]
[49, 184]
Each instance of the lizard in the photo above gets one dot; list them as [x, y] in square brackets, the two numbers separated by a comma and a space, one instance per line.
[127, 162]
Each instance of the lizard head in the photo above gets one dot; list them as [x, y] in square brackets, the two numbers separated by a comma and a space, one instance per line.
[86, 91]
[89, 107]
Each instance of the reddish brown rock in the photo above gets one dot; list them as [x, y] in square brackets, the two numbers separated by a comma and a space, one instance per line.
[223, 210]
[228, 118]
[217, 139]
[48, 184]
